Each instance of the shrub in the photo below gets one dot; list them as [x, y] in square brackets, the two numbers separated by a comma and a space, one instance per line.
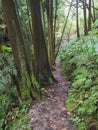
[83, 95]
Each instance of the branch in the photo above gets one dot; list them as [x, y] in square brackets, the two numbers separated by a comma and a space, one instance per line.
[59, 45]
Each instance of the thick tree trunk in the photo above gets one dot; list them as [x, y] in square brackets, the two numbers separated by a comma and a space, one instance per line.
[24, 68]
[41, 65]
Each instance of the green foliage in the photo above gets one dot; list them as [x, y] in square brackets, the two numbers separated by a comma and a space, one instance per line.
[80, 64]
[12, 115]
[16, 119]
[8, 92]
[19, 119]
[2, 26]
[6, 49]
[95, 24]
[20, 124]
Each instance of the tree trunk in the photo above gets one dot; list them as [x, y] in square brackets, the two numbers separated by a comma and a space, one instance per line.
[77, 21]
[89, 16]
[55, 20]
[94, 16]
[25, 77]
[51, 42]
[85, 19]
[41, 65]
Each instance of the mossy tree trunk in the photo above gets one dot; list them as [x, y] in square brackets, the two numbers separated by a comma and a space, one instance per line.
[41, 64]
[25, 79]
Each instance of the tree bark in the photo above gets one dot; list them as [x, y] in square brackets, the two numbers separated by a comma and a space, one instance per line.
[25, 77]
[89, 16]
[77, 21]
[41, 64]
[85, 18]
[51, 42]
[55, 20]
[94, 16]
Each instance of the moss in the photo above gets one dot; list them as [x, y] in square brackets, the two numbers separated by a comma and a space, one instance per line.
[37, 94]
[35, 83]
[31, 89]
[46, 78]
[25, 91]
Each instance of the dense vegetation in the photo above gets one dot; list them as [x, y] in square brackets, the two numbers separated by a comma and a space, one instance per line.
[80, 64]
[31, 36]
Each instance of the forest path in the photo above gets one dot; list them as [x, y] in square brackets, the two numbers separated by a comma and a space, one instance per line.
[51, 113]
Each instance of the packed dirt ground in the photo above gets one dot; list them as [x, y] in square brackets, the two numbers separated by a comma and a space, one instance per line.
[51, 113]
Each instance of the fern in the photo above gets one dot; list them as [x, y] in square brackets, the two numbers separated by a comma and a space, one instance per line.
[83, 95]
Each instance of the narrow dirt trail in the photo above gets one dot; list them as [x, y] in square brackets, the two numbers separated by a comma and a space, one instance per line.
[51, 113]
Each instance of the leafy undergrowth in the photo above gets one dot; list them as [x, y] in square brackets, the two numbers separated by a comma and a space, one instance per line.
[80, 64]
[12, 115]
